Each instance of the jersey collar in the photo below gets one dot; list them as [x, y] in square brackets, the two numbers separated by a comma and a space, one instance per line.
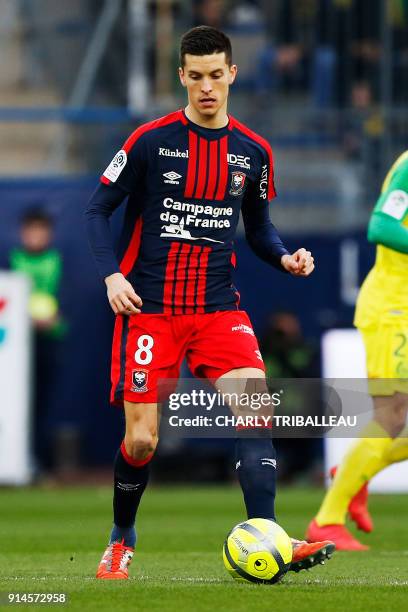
[208, 132]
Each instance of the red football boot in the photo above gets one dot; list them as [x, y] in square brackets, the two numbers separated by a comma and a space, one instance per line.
[307, 555]
[358, 507]
[115, 561]
[338, 534]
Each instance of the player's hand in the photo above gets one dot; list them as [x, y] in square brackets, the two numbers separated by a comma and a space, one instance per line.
[300, 263]
[122, 296]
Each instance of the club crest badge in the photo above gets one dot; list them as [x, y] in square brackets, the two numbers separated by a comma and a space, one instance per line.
[139, 381]
[237, 182]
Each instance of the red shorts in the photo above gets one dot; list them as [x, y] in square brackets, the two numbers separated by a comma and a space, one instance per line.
[151, 347]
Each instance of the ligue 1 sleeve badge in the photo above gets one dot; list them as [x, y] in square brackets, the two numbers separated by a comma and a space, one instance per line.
[139, 381]
[237, 182]
[116, 166]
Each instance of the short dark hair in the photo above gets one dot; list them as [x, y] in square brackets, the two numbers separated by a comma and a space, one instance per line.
[34, 216]
[205, 40]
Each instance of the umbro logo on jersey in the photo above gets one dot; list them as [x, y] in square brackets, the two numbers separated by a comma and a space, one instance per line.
[172, 178]
[169, 153]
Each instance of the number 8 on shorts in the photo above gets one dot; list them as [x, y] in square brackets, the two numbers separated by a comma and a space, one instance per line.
[143, 355]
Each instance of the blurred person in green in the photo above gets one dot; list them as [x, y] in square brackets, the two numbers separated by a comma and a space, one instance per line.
[37, 259]
[42, 264]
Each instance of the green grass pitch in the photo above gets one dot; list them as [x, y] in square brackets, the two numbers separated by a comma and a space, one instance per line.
[52, 540]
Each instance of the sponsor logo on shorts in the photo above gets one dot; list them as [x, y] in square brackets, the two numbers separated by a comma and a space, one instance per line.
[237, 182]
[245, 329]
[139, 381]
[172, 178]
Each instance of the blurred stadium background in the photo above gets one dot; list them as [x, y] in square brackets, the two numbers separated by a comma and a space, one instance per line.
[325, 81]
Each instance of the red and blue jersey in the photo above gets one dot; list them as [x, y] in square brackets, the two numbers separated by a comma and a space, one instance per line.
[185, 188]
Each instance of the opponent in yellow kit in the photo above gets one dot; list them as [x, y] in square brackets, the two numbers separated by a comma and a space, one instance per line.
[382, 318]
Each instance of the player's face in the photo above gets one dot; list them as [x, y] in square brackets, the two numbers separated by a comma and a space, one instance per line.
[207, 79]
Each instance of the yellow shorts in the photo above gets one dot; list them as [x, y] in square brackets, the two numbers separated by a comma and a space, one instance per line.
[386, 348]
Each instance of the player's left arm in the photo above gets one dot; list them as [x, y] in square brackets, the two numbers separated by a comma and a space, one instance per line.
[389, 222]
[261, 234]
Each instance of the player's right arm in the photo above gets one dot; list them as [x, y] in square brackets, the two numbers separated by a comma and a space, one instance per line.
[104, 201]
[122, 176]
[388, 223]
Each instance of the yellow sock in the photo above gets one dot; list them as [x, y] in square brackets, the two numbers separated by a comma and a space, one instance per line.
[398, 450]
[363, 459]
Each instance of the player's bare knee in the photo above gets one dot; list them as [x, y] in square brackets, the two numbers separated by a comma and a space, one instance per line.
[141, 444]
